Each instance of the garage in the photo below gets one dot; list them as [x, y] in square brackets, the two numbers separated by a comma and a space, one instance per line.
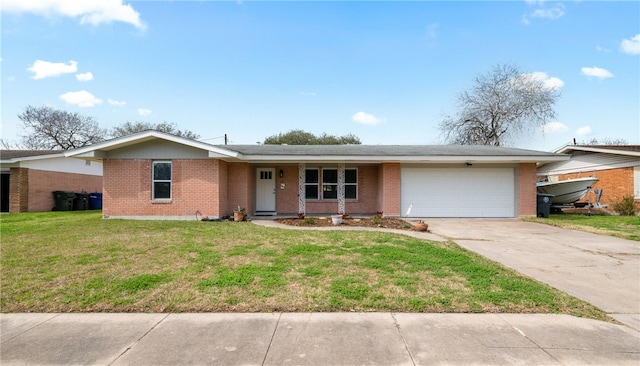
[457, 192]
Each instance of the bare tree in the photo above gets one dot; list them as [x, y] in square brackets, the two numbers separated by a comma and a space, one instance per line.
[607, 141]
[129, 128]
[501, 105]
[52, 129]
[300, 137]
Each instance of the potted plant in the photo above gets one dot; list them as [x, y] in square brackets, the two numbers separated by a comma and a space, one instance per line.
[421, 226]
[239, 214]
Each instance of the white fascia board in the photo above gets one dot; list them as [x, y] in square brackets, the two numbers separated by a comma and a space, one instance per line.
[97, 150]
[569, 148]
[216, 153]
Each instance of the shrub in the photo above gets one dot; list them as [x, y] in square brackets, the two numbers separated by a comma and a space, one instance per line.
[625, 207]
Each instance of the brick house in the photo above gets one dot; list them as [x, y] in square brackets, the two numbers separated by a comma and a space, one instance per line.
[616, 167]
[30, 176]
[156, 174]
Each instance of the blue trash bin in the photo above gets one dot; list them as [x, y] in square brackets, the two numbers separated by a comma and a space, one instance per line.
[95, 201]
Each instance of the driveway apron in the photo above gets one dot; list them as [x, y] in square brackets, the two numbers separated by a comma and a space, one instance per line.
[602, 270]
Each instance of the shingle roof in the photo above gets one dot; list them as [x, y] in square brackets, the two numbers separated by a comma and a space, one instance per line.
[382, 150]
[16, 154]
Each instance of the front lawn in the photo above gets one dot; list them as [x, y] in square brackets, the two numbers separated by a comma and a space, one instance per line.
[78, 262]
[626, 227]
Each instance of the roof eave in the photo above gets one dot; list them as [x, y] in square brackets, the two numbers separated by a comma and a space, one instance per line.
[568, 148]
[404, 159]
[99, 151]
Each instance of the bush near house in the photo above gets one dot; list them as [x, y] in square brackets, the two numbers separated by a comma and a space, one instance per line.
[625, 207]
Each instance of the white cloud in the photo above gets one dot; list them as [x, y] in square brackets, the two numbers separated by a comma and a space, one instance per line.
[555, 127]
[556, 12]
[116, 102]
[144, 112]
[81, 98]
[596, 72]
[84, 77]
[552, 13]
[366, 118]
[583, 131]
[552, 83]
[45, 69]
[631, 46]
[94, 12]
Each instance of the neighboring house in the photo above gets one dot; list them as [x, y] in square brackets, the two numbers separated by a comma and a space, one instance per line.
[156, 174]
[29, 178]
[616, 167]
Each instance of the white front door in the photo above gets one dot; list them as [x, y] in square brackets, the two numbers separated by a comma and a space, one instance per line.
[265, 190]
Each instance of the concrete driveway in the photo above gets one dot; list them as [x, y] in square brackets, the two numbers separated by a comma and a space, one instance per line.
[601, 270]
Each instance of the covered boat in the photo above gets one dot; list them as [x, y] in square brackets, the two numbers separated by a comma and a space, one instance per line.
[567, 191]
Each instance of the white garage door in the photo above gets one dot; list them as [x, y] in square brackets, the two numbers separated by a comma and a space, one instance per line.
[457, 192]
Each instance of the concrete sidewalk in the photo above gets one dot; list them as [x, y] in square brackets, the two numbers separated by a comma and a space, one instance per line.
[314, 339]
[599, 269]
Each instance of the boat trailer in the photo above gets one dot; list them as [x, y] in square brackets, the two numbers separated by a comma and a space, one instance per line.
[588, 205]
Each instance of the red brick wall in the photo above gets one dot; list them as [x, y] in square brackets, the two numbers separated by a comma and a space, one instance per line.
[19, 190]
[389, 189]
[526, 190]
[31, 190]
[241, 182]
[287, 198]
[615, 184]
[195, 187]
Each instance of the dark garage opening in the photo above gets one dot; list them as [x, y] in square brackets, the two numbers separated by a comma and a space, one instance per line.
[4, 194]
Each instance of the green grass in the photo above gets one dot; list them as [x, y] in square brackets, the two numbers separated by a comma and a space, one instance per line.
[625, 227]
[78, 262]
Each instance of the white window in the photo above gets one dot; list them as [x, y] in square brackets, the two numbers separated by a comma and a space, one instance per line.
[351, 184]
[325, 180]
[161, 186]
[311, 184]
[329, 184]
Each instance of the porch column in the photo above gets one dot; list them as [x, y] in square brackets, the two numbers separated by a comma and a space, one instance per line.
[18, 190]
[301, 188]
[341, 205]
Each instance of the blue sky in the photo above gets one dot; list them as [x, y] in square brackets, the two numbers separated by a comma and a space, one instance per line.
[385, 71]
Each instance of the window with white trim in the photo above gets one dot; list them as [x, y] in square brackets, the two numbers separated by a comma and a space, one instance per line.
[329, 184]
[311, 184]
[351, 184]
[161, 185]
[325, 180]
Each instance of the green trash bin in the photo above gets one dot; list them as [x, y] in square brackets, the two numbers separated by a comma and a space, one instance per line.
[544, 204]
[63, 200]
[81, 201]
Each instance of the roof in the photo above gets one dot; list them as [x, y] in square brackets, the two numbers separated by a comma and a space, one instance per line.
[315, 153]
[18, 155]
[629, 150]
[388, 152]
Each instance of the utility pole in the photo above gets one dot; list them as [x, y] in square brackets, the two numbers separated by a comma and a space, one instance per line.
[225, 138]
